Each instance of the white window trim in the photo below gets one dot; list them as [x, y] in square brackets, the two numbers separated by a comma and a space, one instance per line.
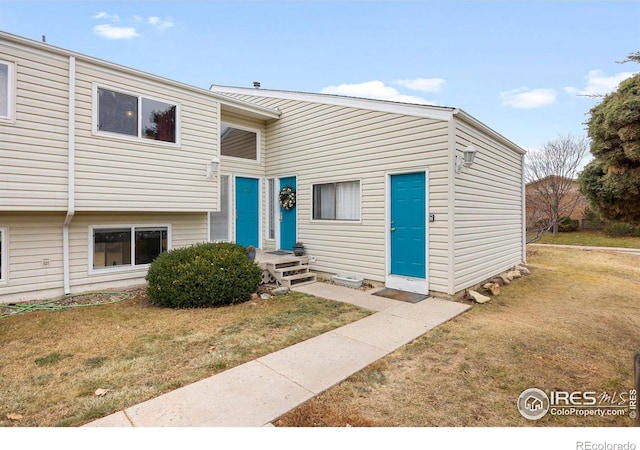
[4, 258]
[128, 268]
[11, 92]
[273, 207]
[341, 221]
[229, 205]
[139, 138]
[243, 128]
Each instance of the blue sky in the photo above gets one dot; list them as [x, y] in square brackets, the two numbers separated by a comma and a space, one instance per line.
[523, 68]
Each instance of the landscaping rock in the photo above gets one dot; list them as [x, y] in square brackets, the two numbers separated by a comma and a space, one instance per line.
[255, 296]
[514, 274]
[505, 279]
[282, 290]
[265, 296]
[499, 281]
[478, 297]
[494, 288]
[523, 270]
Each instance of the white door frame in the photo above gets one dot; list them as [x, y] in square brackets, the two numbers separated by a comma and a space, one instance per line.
[403, 283]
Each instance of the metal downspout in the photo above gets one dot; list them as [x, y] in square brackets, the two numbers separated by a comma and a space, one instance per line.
[71, 175]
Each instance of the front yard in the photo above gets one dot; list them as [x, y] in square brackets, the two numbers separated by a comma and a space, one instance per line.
[68, 367]
[571, 325]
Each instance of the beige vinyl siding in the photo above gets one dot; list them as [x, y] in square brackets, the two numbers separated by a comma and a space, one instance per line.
[488, 209]
[31, 239]
[185, 229]
[121, 173]
[247, 168]
[34, 145]
[328, 143]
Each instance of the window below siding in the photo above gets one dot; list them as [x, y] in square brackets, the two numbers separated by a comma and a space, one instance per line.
[127, 246]
[336, 201]
[239, 142]
[136, 116]
[6, 90]
[3, 255]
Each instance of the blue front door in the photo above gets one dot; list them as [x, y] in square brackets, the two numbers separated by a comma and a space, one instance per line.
[288, 218]
[408, 225]
[247, 212]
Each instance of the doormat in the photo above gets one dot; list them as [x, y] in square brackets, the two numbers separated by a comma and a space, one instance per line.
[403, 296]
[280, 252]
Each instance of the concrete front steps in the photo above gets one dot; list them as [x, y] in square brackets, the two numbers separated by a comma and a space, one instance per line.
[291, 271]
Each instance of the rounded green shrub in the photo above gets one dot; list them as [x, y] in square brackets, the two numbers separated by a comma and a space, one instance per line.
[203, 275]
[567, 225]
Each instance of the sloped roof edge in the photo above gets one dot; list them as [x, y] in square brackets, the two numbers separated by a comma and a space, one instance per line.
[427, 111]
[228, 103]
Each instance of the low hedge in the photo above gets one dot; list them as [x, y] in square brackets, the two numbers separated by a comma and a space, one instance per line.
[203, 275]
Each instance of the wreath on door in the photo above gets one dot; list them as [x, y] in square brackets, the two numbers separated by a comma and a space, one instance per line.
[287, 197]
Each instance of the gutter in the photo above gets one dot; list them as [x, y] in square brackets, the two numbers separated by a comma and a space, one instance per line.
[71, 179]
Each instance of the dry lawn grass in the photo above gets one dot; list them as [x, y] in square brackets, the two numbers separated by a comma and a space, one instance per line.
[52, 363]
[570, 325]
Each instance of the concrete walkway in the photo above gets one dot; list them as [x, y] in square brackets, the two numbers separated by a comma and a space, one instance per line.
[258, 392]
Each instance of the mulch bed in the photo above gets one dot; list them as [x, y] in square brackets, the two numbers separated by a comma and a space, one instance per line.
[70, 301]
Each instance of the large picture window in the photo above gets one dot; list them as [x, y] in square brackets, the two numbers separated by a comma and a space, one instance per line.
[6, 90]
[128, 246]
[336, 201]
[136, 116]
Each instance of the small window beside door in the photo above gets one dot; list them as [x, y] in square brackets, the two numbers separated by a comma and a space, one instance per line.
[337, 201]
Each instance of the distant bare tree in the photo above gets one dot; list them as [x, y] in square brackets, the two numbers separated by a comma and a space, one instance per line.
[551, 174]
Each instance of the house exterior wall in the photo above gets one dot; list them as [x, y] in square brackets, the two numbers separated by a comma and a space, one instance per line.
[58, 168]
[488, 223]
[33, 150]
[118, 173]
[322, 143]
[35, 250]
[34, 255]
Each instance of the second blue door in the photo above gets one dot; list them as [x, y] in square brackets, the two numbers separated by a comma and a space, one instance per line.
[408, 225]
[247, 212]
[287, 219]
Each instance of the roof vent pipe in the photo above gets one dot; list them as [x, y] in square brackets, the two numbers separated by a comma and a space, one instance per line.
[256, 84]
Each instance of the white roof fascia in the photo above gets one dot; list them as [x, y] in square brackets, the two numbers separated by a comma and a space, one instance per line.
[425, 111]
[229, 104]
[465, 117]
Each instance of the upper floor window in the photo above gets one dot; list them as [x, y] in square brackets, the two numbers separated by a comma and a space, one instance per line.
[336, 201]
[238, 143]
[136, 116]
[6, 90]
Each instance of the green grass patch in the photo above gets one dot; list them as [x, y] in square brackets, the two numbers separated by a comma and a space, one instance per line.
[590, 239]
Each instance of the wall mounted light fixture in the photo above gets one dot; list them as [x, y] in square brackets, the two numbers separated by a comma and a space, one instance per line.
[468, 155]
[212, 167]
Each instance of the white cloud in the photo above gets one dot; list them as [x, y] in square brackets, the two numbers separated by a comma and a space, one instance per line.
[423, 84]
[107, 16]
[111, 32]
[598, 84]
[525, 98]
[374, 89]
[159, 23]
